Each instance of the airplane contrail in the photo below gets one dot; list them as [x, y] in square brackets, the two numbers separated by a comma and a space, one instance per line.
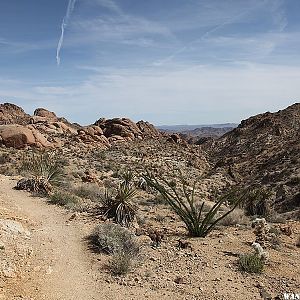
[64, 24]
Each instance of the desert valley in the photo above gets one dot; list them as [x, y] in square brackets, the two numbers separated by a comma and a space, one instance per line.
[122, 210]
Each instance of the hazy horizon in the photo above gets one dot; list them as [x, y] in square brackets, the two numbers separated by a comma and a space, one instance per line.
[171, 62]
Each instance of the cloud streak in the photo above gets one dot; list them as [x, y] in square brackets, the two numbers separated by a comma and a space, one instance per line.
[64, 24]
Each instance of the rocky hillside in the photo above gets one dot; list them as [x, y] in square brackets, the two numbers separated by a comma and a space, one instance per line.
[45, 129]
[264, 150]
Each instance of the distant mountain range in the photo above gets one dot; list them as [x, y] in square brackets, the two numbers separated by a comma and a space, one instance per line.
[183, 128]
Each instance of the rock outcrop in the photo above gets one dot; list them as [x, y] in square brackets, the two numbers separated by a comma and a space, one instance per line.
[123, 129]
[18, 136]
[92, 135]
[44, 113]
[13, 114]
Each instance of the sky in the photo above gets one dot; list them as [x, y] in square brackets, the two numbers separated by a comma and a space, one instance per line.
[164, 61]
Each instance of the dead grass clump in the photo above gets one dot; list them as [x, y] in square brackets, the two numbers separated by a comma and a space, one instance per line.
[65, 199]
[298, 241]
[87, 191]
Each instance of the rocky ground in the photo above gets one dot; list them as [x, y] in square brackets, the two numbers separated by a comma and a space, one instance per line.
[44, 256]
[44, 251]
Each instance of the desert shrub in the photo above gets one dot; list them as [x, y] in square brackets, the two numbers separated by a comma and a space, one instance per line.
[112, 239]
[298, 241]
[44, 170]
[87, 191]
[251, 263]
[119, 207]
[257, 202]
[183, 202]
[120, 264]
[64, 199]
[119, 242]
[234, 218]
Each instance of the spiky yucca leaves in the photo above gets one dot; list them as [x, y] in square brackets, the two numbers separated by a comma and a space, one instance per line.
[119, 208]
[44, 169]
[183, 202]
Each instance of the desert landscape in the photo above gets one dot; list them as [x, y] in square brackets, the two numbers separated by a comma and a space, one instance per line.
[149, 150]
[121, 210]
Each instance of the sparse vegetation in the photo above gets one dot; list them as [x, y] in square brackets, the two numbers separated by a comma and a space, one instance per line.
[251, 263]
[183, 202]
[87, 191]
[235, 217]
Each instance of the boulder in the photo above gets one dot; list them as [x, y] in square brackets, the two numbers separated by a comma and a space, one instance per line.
[18, 136]
[49, 115]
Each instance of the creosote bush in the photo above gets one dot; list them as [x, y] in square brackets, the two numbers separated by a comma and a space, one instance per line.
[251, 263]
[183, 202]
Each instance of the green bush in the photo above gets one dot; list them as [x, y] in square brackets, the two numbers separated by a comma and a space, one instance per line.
[183, 202]
[257, 202]
[251, 263]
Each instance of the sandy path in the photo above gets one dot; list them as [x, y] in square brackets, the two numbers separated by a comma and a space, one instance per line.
[61, 268]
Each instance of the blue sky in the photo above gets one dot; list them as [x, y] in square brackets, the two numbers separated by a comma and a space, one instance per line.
[168, 62]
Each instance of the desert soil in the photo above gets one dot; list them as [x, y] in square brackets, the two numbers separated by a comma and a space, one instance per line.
[45, 256]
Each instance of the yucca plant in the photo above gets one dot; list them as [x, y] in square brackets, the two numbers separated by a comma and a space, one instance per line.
[44, 169]
[183, 202]
[119, 208]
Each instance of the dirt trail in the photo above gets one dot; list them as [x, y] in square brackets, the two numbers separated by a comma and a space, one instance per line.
[61, 268]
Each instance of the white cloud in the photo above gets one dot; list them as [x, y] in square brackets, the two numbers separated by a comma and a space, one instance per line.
[200, 94]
